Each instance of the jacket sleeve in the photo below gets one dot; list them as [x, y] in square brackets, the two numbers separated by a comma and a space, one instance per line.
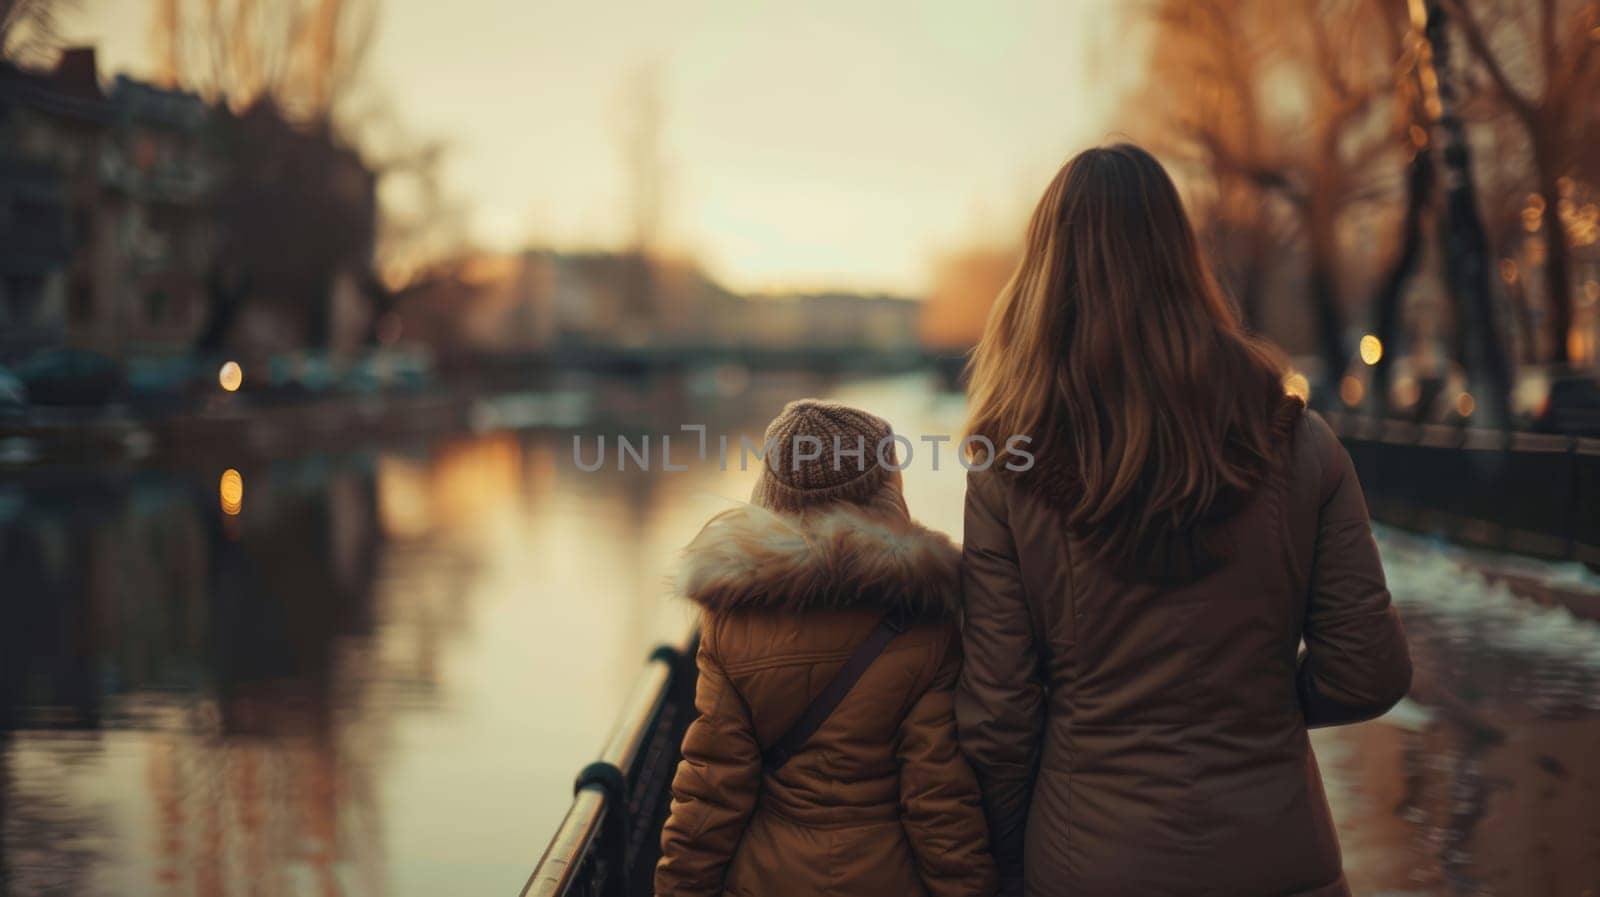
[942, 814]
[1356, 664]
[714, 790]
[999, 699]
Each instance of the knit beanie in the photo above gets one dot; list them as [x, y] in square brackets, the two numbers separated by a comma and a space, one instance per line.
[822, 452]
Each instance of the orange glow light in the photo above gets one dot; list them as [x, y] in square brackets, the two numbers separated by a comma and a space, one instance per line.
[1351, 391]
[1296, 384]
[231, 491]
[1406, 393]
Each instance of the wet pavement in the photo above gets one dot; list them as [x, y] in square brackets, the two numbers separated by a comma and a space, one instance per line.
[1486, 780]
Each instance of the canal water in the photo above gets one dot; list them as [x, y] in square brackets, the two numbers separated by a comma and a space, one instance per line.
[376, 672]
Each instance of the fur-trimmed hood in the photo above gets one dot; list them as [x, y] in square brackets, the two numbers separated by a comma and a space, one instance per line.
[846, 557]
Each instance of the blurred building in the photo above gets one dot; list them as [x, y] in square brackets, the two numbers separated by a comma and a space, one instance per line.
[541, 299]
[52, 125]
[152, 238]
[139, 220]
[466, 307]
[835, 320]
[615, 299]
[106, 206]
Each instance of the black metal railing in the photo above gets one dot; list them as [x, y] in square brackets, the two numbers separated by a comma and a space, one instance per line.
[1530, 493]
[608, 843]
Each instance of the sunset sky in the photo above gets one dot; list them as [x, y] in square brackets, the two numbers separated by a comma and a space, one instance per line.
[832, 143]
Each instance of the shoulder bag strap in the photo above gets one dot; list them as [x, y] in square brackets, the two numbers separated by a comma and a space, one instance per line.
[892, 624]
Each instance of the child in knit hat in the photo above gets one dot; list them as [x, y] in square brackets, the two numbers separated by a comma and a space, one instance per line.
[824, 586]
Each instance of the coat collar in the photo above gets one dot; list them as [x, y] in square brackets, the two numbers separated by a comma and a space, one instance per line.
[750, 558]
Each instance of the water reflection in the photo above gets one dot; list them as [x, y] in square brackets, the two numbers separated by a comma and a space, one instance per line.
[178, 685]
[380, 671]
[377, 675]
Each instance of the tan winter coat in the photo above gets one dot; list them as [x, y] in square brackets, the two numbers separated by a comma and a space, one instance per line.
[879, 801]
[1148, 741]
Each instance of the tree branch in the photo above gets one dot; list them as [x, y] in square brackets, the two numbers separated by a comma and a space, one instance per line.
[1327, 61]
[1480, 48]
[1547, 40]
[1254, 171]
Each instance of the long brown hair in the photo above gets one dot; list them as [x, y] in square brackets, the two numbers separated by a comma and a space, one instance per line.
[1153, 412]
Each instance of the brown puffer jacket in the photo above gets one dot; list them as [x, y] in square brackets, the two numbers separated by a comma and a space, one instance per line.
[879, 801]
[1145, 741]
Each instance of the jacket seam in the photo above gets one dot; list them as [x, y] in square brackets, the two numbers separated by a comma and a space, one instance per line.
[790, 818]
[795, 660]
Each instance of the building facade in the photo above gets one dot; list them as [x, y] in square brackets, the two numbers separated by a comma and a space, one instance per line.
[140, 221]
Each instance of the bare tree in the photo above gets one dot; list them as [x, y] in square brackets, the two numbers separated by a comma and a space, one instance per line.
[166, 42]
[1465, 246]
[305, 60]
[1541, 64]
[423, 226]
[643, 118]
[295, 212]
[1205, 74]
[644, 168]
[1287, 110]
[30, 30]
[1421, 179]
[305, 55]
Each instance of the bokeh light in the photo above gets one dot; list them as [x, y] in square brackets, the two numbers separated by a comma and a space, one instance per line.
[231, 492]
[1407, 392]
[1296, 384]
[231, 376]
[1351, 390]
[1371, 349]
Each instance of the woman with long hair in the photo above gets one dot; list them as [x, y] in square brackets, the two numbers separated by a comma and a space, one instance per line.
[1181, 583]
